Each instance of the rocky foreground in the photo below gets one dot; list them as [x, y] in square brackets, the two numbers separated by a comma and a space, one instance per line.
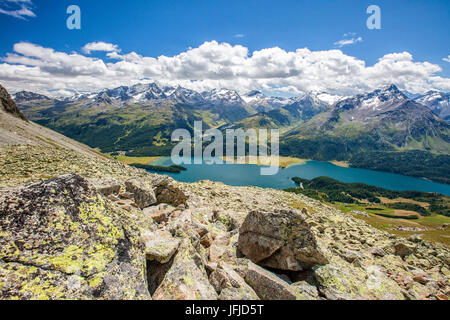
[74, 226]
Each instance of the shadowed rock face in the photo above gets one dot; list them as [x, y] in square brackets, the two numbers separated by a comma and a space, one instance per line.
[62, 240]
[186, 279]
[8, 104]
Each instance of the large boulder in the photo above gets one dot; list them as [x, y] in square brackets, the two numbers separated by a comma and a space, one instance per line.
[267, 285]
[339, 280]
[280, 239]
[61, 239]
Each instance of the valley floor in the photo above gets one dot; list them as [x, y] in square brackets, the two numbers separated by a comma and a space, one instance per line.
[431, 228]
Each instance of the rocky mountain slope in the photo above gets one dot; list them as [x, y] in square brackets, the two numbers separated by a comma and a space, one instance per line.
[15, 129]
[253, 101]
[139, 118]
[77, 225]
[439, 102]
[8, 105]
[292, 113]
[142, 117]
[383, 120]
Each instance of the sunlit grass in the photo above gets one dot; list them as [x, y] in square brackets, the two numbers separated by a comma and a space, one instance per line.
[431, 226]
[283, 162]
[139, 160]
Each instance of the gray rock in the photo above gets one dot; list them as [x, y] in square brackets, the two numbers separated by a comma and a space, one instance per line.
[61, 239]
[230, 285]
[167, 192]
[402, 249]
[161, 250]
[341, 281]
[376, 251]
[159, 213]
[281, 239]
[305, 291]
[186, 278]
[106, 186]
[144, 196]
[267, 285]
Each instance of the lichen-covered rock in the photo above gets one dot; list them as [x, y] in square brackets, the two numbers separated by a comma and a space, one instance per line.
[280, 239]
[403, 249]
[160, 246]
[230, 285]
[167, 192]
[62, 240]
[267, 285]
[106, 186]
[305, 291]
[144, 196]
[186, 278]
[159, 213]
[340, 281]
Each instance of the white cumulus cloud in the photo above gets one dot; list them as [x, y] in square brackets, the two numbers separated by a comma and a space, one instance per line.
[17, 8]
[447, 59]
[215, 65]
[100, 46]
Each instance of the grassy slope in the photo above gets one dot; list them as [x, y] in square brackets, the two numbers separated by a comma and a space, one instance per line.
[381, 214]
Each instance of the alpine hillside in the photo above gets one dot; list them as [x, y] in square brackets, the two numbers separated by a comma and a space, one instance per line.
[77, 225]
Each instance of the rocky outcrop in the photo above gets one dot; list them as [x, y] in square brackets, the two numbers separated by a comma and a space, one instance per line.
[62, 240]
[281, 239]
[8, 104]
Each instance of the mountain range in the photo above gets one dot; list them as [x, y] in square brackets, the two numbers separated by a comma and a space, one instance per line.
[76, 224]
[384, 119]
[253, 101]
[142, 117]
[439, 102]
[381, 129]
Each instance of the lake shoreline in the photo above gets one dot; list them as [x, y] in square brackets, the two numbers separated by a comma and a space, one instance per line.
[234, 174]
[284, 163]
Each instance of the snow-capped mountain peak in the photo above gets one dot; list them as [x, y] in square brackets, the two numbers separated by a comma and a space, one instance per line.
[437, 101]
[24, 96]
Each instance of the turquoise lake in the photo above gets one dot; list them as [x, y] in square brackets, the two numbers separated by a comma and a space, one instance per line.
[249, 175]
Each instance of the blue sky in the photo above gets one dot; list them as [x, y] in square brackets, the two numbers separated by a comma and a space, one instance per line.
[161, 27]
